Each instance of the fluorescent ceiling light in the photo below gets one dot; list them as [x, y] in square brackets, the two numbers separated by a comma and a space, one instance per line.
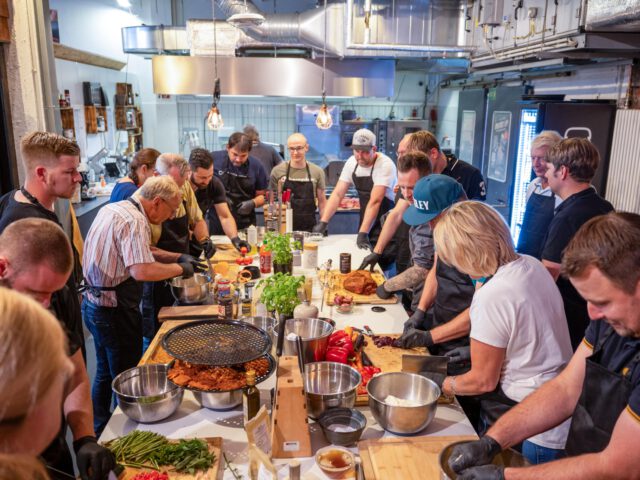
[124, 3]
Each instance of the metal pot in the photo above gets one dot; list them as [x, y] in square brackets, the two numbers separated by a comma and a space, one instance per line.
[315, 335]
[218, 400]
[407, 386]
[506, 458]
[190, 290]
[330, 385]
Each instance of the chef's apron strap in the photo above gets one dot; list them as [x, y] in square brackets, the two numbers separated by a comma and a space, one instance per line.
[493, 405]
[302, 200]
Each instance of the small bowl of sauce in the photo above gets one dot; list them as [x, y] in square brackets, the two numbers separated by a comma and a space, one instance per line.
[334, 461]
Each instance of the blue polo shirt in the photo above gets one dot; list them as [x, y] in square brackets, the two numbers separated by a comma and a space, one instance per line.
[252, 168]
[617, 353]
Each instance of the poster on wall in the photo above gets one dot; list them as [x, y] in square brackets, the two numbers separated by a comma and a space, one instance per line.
[467, 134]
[499, 146]
[55, 28]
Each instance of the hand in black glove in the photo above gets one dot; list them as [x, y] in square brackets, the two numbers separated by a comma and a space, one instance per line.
[94, 461]
[238, 244]
[246, 207]
[416, 320]
[381, 291]
[438, 378]
[190, 265]
[415, 338]
[320, 227]
[485, 472]
[363, 241]
[471, 454]
[208, 247]
[459, 354]
[370, 261]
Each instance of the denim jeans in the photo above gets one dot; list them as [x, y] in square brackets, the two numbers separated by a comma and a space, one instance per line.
[537, 454]
[118, 341]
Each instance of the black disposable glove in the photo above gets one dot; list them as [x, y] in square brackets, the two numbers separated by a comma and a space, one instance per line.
[94, 461]
[472, 454]
[438, 378]
[370, 261]
[187, 269]
[415, 338]
[208, 247]
[363, 241]
[381, 291]
[320, 227]
[416, 320]
[459, 354]
[485, 472]
[198, 266]
[246, 207]
[240, 243]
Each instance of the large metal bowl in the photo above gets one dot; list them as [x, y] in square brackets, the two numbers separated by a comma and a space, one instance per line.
[406, 386]
[145, 394]
[263, 323]
[190, 290]
[315, 335]
[506, 458]
[218, 400]
[330, 385]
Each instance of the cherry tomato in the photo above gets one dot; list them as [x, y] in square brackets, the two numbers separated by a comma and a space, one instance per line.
[243, 250]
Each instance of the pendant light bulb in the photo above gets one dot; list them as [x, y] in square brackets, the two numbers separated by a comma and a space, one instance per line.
[324, 120]
[214, 119]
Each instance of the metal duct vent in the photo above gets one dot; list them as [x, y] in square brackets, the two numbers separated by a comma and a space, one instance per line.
[613, 16]
[624, 168]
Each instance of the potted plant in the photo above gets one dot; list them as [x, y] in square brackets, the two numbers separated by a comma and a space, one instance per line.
[280, 293]
[281, 248]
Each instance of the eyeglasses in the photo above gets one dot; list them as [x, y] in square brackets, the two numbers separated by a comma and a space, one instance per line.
[296, 149]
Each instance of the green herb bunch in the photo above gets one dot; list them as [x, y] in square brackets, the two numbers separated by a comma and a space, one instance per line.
[280, 292]
[281, 247]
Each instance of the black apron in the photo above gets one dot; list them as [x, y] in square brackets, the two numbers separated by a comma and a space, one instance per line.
[537, 217]
[363, 186]
[604, 396]
[303, 200]
[239, 188]
[174, 238]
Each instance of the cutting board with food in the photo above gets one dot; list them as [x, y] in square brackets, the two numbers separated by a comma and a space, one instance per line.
[409, 458]
[225, 252]
[147, 455]
[359, 285]
[155, 353]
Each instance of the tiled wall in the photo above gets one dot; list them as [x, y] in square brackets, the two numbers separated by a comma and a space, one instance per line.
[274, 118]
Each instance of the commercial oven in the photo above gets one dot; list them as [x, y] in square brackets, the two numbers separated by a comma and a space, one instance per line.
[390, 132]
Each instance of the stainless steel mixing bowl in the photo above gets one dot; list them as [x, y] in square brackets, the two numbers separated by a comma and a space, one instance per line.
[145, 394]
[330, 385]
[406, 386]
[218, 400]
[506, 458]
[190, 290]
[263, 323]
[315, 335]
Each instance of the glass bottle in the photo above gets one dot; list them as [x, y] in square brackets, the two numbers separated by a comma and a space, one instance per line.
[250, 397]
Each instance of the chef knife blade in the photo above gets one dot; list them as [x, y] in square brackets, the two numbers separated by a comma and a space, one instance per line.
[424, 363]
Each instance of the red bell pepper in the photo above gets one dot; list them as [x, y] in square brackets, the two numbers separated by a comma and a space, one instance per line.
[337, 354]
[338, 336]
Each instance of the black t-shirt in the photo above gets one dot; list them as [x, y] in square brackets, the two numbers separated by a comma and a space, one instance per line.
[401, 238]
[466, 175]
[64, 303]
[211, 195]
[570, 215]
[617, 354]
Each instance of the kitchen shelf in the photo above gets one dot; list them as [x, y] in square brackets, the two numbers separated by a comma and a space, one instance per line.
[64, 52]
[67, 120]
[91, 115]
[121, 117]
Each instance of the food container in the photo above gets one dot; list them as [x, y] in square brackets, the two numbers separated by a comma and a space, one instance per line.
[335, 461]
[190, 290]
[345, 307]
[310, 255]
[506, 458]
[330, 385]
[403, 420]
[315, 337]
[145, 394]
[342, 426]
[345, 263]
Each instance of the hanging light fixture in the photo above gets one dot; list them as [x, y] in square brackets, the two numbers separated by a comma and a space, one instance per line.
[324, 120]
[214, 117]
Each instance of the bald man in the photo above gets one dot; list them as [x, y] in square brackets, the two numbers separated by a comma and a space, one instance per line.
[305, 180]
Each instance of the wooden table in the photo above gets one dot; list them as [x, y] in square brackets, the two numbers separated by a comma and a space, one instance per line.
[192, 421]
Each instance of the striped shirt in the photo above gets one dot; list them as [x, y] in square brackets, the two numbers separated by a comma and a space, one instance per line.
[118, 238]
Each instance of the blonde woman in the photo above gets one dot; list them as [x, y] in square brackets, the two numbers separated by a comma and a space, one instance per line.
[519, 337]
[34, 367]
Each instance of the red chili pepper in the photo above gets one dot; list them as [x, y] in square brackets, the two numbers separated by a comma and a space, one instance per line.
[337, 354]
[151, 476]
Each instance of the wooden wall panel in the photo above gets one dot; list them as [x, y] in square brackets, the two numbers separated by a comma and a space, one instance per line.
[5, 34]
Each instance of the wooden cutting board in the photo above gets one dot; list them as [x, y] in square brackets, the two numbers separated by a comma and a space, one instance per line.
[336, 288]
[388, 359]
[225, 253]
[155, 353]
[215, 447]
[408, 458]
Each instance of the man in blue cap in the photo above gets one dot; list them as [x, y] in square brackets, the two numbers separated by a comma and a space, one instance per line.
[441, 321]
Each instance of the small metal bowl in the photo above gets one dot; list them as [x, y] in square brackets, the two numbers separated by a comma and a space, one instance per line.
[145, 394]
[342, 426]
[344, 456]
[263, 323]
[190, 290]
[330, 385]
[219, 401]
[403, 420]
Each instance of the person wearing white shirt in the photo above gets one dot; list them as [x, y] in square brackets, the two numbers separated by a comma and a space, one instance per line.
[373, 174]
[541, 201]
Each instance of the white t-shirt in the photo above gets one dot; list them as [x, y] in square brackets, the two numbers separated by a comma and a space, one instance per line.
[536, 187]
[520, 309]
[384, 172]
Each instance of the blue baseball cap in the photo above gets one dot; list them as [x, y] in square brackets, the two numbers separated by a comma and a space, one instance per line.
[431, 195]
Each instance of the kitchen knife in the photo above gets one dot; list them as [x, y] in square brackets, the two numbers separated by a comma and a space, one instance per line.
[424, 363]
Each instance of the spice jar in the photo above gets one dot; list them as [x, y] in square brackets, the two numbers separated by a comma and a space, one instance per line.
[225, 306]
[345, 263]
[224, 287]
[310, 255]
